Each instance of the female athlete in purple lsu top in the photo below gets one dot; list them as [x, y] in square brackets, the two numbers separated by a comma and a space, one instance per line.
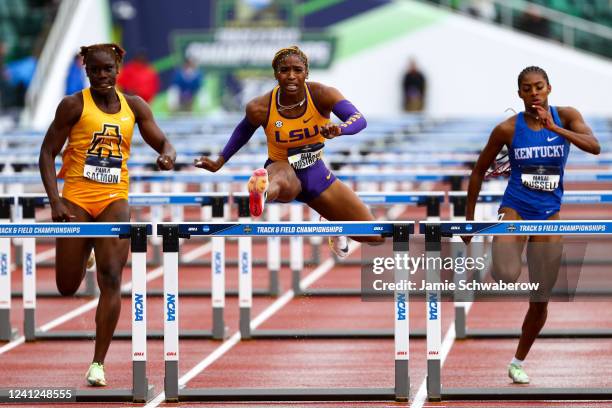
[295, 117]
[538, 142]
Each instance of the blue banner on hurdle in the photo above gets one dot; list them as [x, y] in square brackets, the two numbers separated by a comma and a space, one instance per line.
[522, 228]
[92, 229]
[352, 228]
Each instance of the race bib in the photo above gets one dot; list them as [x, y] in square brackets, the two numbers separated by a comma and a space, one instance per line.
[305, 156]
[541, 178]
[103, 169]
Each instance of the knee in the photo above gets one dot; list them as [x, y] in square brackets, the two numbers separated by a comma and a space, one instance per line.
[67, 289]
[505, 272]
[109, 281]
[288, 189]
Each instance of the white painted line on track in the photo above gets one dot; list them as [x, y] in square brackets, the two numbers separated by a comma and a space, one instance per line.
[154, 274]
[449, 338]
[228, 344]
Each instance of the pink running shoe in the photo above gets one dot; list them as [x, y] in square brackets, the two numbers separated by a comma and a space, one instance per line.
[258, 186]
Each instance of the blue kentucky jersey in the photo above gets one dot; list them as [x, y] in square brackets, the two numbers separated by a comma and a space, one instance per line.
[537, 161]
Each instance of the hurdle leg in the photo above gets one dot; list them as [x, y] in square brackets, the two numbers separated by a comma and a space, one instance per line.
[171, 312]
[402, 375]
[6, 331]
[140, 383]
[274, 249]
[245, 282]
[29, 287]
[433, 314]
[296, 248]
[218, 274]
[458, 214]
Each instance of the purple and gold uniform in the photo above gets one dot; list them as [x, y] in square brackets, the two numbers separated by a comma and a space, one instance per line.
[284, 134]
[94, 165]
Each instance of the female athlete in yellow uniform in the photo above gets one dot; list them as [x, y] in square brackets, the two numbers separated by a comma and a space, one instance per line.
[98, 124]
[295, 116]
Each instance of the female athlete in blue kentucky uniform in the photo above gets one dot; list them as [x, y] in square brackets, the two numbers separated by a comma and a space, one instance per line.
[538, 142]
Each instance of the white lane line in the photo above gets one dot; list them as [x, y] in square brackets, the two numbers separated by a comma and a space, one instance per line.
[447, 344]
[227, 345]
[155, 273]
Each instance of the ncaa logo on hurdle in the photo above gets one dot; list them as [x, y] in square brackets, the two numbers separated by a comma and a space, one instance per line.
[138, 307]
[28, 265]
[3, 265]
[432, 306]
[247, 229]
[511, 228]
[217, 262]
[468, 227]
[171, 307]
[401, 306]
[244, 263]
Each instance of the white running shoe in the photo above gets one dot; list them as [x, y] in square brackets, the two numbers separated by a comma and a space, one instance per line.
[517, 374]
[95, 375]
[339, 246]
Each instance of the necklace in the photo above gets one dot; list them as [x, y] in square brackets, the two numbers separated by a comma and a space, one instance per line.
[282, 107]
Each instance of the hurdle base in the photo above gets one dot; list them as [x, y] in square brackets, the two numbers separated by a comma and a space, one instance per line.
[110, 395]
[9, 335]
[526, 393]
[118, 335]
[287, 394]
[546, 333]
[330, 334]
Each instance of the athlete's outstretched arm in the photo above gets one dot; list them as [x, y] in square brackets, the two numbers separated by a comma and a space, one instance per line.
[331, 100]
[152, 134]
[256, 114]
[497, 140]
[579, 133]
[67, 115]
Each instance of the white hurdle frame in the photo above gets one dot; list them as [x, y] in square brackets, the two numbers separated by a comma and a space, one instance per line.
[435, 391]
[171, 234]
[137, 233]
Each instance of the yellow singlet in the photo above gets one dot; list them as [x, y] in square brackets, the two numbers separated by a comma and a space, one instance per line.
[284, 133]
[94, 164]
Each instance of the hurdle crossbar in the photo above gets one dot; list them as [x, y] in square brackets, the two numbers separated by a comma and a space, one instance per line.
[433, 236]
[245, 231]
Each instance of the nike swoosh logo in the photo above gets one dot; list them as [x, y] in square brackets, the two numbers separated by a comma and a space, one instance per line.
[125, 118]
[550, 139]
[113, 195]
[306, 120]
[328, 176]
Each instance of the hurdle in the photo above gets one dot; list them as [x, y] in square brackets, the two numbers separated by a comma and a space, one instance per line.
[137, 233]
[7, 333]
[570, 197]
[433, 236]
[431, 200]
[172, 232]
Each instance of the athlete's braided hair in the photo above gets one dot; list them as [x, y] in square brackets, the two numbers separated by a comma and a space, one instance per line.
[116, 51]
[533, 69]
[285, 52]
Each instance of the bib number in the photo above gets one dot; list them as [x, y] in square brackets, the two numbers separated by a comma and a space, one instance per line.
[541, 178]
[105, 170]
[305, 156]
